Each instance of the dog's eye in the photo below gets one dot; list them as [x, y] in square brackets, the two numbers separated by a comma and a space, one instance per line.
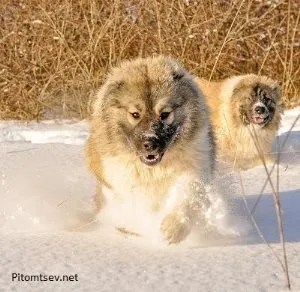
[164, 115]
[266, 100]
[136, 115]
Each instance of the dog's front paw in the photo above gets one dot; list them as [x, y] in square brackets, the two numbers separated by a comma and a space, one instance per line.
[175, 227]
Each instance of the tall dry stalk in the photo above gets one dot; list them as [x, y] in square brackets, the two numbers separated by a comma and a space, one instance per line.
[279, 149]
[277, 202]
[53, 56]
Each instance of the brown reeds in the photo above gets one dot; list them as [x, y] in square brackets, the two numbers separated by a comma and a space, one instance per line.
[54, 54]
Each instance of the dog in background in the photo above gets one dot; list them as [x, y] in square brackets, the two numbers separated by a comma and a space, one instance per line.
[151, 129]
[246, 115]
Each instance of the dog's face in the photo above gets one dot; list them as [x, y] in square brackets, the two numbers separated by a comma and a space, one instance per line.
[257, 104]
[151, 108]
[152, 132]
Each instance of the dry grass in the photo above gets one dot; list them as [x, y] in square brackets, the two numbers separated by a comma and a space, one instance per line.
[53, 54]
[283, 259]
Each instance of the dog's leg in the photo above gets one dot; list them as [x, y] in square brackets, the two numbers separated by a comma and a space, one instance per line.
[179, 222]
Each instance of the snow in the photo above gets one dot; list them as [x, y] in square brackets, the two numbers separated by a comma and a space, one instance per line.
[46, 211]
[60, 131]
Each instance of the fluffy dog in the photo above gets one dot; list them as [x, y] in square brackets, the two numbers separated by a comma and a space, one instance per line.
[246, 115]
[150, 130]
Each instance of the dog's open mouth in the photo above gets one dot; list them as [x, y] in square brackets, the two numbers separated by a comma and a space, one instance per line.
[151, 159]
[260, 120]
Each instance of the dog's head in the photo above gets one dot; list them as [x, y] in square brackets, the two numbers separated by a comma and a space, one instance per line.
[257, 101]
[149, 106]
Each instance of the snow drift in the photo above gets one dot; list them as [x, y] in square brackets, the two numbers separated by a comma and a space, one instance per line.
[46, 225]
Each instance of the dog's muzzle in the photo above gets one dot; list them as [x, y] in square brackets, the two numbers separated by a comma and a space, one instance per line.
[260, 114]
[151, 153]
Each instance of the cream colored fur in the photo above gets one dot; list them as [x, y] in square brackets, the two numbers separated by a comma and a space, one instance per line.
[120, 173]
[236, 142]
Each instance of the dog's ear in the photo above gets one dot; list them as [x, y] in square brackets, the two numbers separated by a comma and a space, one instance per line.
[275, 92]
[114, 87]
[103, 96]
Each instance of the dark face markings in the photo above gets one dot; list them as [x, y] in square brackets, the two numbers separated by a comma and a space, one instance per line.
[150, 138]
[260, 108]
[149, 134]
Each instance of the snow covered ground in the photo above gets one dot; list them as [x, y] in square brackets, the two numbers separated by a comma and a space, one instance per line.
[45, 196]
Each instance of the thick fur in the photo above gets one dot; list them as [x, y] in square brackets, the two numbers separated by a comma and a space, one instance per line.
[233, 101]
[117, 150]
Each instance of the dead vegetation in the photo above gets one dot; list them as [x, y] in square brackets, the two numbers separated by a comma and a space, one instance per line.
[53, 54]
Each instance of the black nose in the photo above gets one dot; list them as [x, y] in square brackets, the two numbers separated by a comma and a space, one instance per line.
[260, 109]
[150, 145]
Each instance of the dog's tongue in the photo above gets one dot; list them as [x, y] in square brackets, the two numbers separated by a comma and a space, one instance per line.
[258, 120]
